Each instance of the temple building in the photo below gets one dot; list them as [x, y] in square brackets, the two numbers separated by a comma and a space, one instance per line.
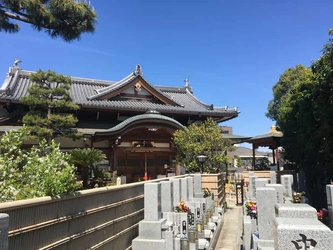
[131, 120]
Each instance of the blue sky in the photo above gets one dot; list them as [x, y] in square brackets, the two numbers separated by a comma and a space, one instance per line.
[232, 52]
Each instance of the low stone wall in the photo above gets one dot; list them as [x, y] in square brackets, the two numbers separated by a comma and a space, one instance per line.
[96, 219]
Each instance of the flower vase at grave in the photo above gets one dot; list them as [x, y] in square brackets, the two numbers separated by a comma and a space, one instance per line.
[184, 245]
[192, 235]
[200, 225]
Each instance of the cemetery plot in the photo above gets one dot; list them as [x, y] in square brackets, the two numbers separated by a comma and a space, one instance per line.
[179, 215]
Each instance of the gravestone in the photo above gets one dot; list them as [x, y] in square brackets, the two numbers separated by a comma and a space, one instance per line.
[167, 196]
[259, 244]
[4, 225]
[279, 191]
[247, 232]
[295, 210]
[272, 177]
[266, 199]
[252, 187]
[287, 182]
[197, 186]
[329, 196]
[152, 201]
[184, 189]
[260, 182]
[150, 228]
[176, 191]
[190, 188]
[291, 234]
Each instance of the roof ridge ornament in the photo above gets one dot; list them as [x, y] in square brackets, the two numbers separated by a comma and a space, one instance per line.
[16, 62]
[187, 83]
[15, 67]
[138, 70]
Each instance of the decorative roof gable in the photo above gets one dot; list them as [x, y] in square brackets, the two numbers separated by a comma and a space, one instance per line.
[133, 87]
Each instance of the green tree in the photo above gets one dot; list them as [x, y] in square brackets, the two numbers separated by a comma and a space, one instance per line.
[39, 171]
[263, 164]
[49, 104]
[290, 78]
[205, 139]
[85, 158]
[67, 19]
[305, 116]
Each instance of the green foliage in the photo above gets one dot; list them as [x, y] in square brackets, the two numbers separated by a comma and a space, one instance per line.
[85, 158]
[40, 171]
[205, 139]
[290, 78]
[67, 19]
[262, 164]
[49, 106]
[304, 114]
[239, 162]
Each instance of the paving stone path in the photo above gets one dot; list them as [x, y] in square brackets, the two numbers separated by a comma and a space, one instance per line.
[230, 236]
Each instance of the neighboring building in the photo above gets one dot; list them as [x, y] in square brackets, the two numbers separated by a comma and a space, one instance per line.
[226, 130]
[243, 156]
[131, 120]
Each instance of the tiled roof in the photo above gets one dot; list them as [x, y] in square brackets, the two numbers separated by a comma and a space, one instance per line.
[273, 133]
[83, 91]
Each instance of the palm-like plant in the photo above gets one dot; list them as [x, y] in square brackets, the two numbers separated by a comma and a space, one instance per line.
[84, 158]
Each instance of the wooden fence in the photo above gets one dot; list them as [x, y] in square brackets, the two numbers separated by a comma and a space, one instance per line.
[101, 218]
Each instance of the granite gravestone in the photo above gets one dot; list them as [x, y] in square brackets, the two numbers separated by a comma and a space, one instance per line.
[176, 191]
[287, 182]
[252, 187]
[272, 177]
[247, 233]
[184, 189]
[197, 186]
[291, 234]
[167, 196]
[190, 188]
[279, 191]
[266, 199]
[150, 228]
[152, 202]
[295, 210]
[260, 182]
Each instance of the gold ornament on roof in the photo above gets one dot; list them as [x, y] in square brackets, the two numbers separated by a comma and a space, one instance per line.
[274, 130]
[138, 87]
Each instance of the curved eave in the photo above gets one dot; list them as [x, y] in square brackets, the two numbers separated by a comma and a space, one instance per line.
[235, 138]
[265, 137]
[207, 106]
[137, 121]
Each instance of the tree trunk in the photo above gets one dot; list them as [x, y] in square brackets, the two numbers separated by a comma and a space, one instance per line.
[85, 176]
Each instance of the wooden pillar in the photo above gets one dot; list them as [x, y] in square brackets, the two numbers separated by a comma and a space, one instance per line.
[273, 150]
[253, 156]
[110, 156]
[115, 160]
[277, 160]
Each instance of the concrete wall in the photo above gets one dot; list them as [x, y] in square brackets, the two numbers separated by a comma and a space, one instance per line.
[101, 218]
